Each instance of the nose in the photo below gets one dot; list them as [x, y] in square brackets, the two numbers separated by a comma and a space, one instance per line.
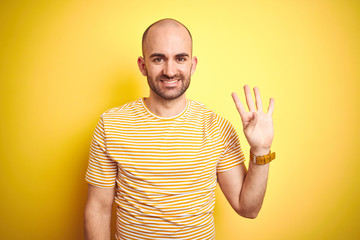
[169, 69]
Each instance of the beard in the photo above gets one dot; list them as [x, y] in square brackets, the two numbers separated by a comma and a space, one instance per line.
[169, 93]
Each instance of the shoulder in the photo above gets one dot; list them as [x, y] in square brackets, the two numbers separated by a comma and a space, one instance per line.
[126, 112]
[124, 107]
[203, 112]
[200, 109]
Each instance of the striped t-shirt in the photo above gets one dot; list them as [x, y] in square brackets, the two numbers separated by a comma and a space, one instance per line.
[164, 169]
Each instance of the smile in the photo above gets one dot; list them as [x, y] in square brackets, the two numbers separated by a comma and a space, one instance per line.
[170, 81]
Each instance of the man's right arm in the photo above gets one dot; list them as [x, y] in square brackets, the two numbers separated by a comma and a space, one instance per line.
[98, 213]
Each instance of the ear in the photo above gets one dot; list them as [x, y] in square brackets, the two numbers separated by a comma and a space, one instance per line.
[141, 64]
[193, 65]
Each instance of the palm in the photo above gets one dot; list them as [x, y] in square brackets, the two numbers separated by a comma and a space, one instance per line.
[257, 125]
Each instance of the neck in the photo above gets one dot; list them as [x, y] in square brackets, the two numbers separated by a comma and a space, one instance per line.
[164, 107]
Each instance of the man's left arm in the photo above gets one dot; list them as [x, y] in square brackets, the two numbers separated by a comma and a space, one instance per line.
[245, 190]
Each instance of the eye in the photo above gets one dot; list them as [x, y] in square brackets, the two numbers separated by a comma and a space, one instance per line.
[181, 59]
[157, 59]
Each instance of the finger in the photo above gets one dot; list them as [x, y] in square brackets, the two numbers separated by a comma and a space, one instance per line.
[271, 106]
[258, 99]
[249, 99]
[238, 105]
[252, 124]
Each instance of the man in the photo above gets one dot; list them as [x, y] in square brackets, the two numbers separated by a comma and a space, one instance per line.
[160, 157]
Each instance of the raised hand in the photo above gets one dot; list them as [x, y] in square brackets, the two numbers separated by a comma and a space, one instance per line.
[257, 125]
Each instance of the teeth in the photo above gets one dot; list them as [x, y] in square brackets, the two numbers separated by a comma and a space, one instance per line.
[173, 81]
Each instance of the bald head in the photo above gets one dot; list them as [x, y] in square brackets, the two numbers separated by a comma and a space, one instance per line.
[164, 26]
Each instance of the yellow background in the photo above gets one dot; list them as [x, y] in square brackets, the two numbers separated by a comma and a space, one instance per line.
[62, 63]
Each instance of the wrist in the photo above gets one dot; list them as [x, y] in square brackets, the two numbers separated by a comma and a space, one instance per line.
[260, 151]
[261, 156]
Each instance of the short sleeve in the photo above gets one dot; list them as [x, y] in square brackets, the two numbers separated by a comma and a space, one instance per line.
[232, 154]
[102, 170]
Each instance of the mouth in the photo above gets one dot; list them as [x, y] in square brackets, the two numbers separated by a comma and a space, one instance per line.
[170, 82]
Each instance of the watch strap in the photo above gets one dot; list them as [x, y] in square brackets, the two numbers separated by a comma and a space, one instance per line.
[261, 160]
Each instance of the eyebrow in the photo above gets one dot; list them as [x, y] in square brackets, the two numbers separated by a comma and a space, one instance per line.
[163, 55]
[157, 55]
[182, 55]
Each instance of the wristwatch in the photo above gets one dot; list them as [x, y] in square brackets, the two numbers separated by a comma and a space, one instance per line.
[261, 160]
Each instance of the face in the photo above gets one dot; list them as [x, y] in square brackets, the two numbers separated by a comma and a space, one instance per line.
[167, 63]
